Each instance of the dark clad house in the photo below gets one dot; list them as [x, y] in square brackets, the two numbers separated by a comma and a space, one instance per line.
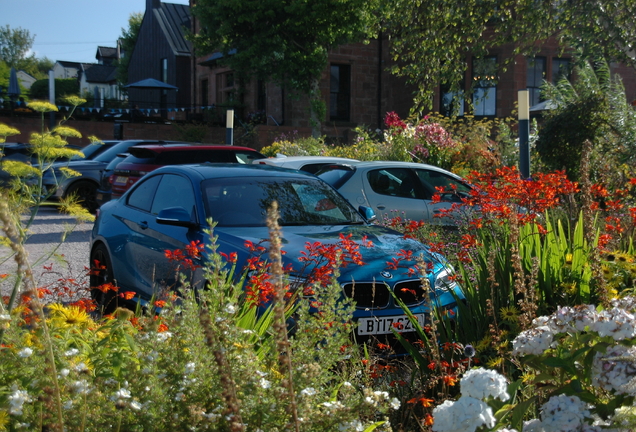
[163, 53]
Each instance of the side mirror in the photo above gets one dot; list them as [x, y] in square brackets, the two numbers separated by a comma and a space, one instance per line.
[176, 216]
[367, 213]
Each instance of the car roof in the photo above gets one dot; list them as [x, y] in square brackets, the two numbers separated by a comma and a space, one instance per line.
[220, 170]
[286, 159]
[159, 148]
[396, 164]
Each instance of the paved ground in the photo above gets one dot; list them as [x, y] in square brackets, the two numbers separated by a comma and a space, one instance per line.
[68, 260]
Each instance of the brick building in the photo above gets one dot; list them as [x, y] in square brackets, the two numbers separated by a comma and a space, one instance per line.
[359, 91]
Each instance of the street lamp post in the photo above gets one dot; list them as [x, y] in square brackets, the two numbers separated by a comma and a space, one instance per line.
[524, 134]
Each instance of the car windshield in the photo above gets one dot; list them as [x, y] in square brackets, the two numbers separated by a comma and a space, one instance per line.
[244, 202]
[90, 150]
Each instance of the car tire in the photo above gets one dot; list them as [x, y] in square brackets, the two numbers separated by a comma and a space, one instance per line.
[101, 273]
[86, 193]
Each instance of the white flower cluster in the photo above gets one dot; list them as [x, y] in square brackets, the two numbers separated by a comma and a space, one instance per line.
[483, 383]
[16, 400]
[533, 341]
[469, 412]
[563, 413]
[619, 322]
[464, 415]
[615, 370]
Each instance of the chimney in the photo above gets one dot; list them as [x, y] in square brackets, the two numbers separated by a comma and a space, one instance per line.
[153, 4]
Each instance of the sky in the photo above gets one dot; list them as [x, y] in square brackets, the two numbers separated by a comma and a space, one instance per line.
[71, 30]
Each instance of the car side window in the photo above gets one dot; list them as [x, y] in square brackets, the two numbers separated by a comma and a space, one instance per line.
[174, 191]
[141, 197]
[397, 182]
[434, 179]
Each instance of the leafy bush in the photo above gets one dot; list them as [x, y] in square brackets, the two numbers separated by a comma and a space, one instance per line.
[64, 87]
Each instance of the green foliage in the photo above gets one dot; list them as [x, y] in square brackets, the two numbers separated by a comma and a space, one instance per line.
[283, 42]
[128, 39]
[211, 360]
[194, 132]
[594, 107]
[14, 46]
[442, 32]
[63, 87]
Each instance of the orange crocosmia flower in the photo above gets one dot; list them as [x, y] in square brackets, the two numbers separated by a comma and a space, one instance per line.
[107, 287]
[432, 365]
[426, 402]
[383, 346]
[160, 303]
[428, 420]
[4, 276]
[128, 295]
[162, 328]
[449, 380]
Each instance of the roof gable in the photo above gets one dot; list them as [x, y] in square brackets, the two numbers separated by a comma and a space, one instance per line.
[174, 19]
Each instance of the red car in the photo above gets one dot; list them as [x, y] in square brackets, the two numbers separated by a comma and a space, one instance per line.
[146, 158]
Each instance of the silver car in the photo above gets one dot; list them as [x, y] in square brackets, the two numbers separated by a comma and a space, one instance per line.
[402, 189]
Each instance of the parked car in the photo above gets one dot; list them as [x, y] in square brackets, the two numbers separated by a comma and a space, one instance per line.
[106, 177]
[23, 152]
[310, 164]
[146, 158]
[170, 207]
[402, 189]
[85, 186]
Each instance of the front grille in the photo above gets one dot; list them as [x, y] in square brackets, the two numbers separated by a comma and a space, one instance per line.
[410, 292]
[368, 294]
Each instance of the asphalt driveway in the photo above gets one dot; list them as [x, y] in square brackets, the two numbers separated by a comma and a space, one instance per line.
[50, 259]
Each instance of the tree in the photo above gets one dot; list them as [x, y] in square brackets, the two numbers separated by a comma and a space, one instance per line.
[282, 41]
[127, 41]
[593, 107]
[432, 38]
[14, 46]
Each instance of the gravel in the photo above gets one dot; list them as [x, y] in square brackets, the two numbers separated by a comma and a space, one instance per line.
[69, 261]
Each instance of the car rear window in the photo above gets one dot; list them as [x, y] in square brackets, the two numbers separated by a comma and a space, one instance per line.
[336, 175]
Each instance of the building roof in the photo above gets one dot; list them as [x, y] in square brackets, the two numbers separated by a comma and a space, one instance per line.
[174, 19]
[69, 64]
[97, 73]
[106, 52]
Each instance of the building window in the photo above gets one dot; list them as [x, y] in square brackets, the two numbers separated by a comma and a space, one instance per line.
[535, 74]
[485, 86]
[205, 88]
[561, 68]
[340, 93]
[225, 88]
[452, 102]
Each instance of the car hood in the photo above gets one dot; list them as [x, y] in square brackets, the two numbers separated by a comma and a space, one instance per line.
[386, 244]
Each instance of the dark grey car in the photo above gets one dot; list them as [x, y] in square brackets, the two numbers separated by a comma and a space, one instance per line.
[85, 186]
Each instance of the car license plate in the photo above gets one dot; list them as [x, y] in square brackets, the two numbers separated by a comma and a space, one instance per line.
[383, 325]
[121, 180]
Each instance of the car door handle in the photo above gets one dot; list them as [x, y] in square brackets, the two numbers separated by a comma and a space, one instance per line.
[143, 225]
[381, 206]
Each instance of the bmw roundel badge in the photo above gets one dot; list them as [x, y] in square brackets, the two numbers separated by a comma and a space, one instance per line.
[386, 275]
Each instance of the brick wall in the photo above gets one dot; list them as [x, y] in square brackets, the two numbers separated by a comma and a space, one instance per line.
[263, 136]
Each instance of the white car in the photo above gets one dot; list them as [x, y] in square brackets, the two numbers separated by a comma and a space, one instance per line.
[310, 164]
[402, 189]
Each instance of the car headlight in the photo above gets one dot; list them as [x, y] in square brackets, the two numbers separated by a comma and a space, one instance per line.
[445, 279]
